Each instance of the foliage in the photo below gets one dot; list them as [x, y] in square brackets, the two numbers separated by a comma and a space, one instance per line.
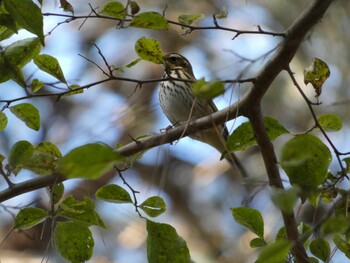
[305, 157]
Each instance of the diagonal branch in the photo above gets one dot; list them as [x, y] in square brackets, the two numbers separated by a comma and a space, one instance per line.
[252, 109]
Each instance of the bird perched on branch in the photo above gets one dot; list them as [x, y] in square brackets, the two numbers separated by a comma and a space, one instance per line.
[180, 105]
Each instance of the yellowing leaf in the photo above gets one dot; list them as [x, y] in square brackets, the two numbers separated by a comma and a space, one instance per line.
[28, 114]
[114, 9]
[149, 50]
[149, 20]
[330, 122]
[189, 19]
[36, 85]
[316, 74]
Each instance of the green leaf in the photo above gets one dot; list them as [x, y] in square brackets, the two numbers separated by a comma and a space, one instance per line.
[19, 154]
[28, 114]
[149, 50]
[36, 85]
[165, 245]
[50, 65]
[347, 163]
[114, 9]
[82, 212]
[153, 206]
[335, 225]
[5, 33]
[208, 90]
[305, 159]
[257, 242]
[129, 65]
[29, 217]
[28, 15]
[75, 89]
[275, 252]
[7, 21]
[44, 159]
[189, 19]
[316, 74]
[74, 241]
[3, 121]
[342, 245]
[274, 128]
[149, 20]
[282, 234]
[113, 193]
[320, 248]
[330, 122]
[15, 57]
[89, 161]
[243, 136]
[249, 218]
[285, 199]
[56, 192]
[313, 260]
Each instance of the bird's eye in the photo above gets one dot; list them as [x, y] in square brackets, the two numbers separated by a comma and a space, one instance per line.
[172, 59]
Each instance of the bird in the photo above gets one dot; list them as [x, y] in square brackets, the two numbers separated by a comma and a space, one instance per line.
[180, 105]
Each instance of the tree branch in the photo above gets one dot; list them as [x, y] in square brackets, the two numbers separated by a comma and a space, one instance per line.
[252, 109]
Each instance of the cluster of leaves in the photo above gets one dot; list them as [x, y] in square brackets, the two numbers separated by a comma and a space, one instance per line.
[304, 158]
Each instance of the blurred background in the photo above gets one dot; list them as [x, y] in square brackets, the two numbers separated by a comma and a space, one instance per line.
[198, 189]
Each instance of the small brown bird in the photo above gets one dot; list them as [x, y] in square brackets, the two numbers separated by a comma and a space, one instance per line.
[180, 105]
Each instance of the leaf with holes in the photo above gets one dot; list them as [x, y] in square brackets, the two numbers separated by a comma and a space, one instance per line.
[316, 74]
[153, 206]
[74, 241]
